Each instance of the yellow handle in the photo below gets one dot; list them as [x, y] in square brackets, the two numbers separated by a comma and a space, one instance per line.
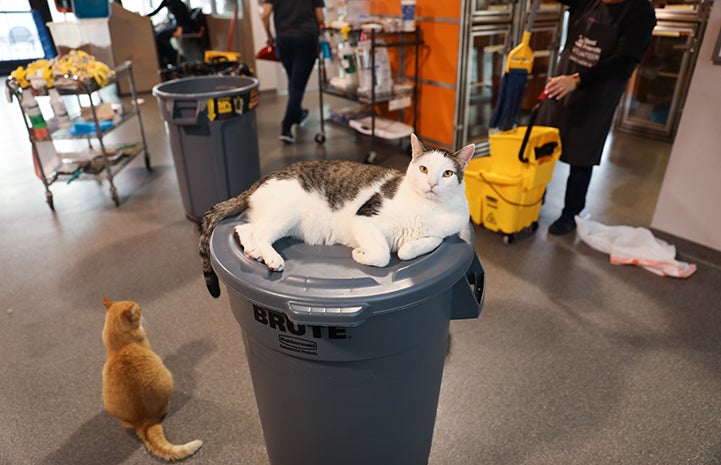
[521, 57]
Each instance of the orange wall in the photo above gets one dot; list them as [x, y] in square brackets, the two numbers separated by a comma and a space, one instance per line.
[439, 22]
[385, 7]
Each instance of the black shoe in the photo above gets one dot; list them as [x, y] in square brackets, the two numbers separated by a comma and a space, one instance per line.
[287, 137]
[563, 225]
[304, 114]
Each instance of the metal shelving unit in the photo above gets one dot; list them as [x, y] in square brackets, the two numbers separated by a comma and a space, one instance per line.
[100, 160]
[394, 39]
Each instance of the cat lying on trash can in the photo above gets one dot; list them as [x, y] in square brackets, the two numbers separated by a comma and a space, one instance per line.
[371, 209]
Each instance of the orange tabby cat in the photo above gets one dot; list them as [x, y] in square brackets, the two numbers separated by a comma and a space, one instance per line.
[136, 384]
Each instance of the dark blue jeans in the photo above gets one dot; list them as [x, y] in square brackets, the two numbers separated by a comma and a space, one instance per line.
[298, 55]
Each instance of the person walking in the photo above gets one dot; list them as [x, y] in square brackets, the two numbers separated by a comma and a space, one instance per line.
[605, 42]
[297, 26]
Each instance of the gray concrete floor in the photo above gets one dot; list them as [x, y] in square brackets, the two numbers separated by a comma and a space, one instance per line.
[572, 361]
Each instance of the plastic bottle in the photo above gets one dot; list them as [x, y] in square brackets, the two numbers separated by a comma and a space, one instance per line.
[38, 126]
[59, 109]
[346, 54]
[342, 10]
[408, 15]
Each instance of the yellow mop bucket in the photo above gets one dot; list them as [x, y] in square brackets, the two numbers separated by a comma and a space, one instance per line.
[536, 159]
[502, 203]
[505, 190]
[475, 186]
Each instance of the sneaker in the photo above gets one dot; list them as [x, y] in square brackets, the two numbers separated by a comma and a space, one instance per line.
[563, 225]
[304, 114]
[287, 137]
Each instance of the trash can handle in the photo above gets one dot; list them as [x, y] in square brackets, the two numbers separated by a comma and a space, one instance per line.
[469, 293]
[182, 108]
[326, 315]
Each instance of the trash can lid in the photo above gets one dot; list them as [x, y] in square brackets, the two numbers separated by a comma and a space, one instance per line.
[204, 87]
[322, 285]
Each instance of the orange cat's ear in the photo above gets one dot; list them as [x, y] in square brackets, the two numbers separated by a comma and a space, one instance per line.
[132, 314]
[107, 302]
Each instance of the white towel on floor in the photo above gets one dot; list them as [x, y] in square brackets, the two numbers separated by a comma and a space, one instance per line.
[628, 245]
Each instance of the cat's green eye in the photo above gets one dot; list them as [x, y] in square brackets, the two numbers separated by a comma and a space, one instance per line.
[447, 173]
[423, 169]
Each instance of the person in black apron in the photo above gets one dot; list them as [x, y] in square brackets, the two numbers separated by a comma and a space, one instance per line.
[605, 42]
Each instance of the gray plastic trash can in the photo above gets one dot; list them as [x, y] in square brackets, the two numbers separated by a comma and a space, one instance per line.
[346, 360]
[210, 121]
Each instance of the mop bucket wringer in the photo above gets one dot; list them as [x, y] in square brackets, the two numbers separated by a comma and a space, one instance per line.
[506, 189]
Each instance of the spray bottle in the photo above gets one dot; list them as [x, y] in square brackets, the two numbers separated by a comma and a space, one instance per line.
[346, 54]
[38, 126]
[59, 109]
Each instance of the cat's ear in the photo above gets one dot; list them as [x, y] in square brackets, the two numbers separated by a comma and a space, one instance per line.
[107, 302]
[132, 313]
[417, 147]
[465, 154]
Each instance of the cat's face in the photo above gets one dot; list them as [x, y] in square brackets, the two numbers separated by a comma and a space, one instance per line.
[122, 316]
[436, 174]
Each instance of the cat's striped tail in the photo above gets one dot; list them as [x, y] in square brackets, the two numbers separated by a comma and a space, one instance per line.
[154, 440]
[215, 215]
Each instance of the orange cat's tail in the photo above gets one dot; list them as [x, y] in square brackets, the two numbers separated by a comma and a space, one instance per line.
[154, 439]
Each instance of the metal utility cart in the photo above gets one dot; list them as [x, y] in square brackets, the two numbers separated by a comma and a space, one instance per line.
[99, 159]
[377, 39]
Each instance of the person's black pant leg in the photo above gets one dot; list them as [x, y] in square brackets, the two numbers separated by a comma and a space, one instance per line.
[298, 55]
[167, 55]
[576, 189]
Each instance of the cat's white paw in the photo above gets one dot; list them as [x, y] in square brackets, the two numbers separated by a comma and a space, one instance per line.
[413, 249]
[244, 235]
[275, 263]
[408, 252]
[364, 258]
[272, 259]
[407, 255]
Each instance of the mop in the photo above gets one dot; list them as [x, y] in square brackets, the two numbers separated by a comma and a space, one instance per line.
[518, 66]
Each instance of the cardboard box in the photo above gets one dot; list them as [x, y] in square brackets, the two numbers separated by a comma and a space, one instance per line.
[133, 39]
[124, 36]
[90, 35]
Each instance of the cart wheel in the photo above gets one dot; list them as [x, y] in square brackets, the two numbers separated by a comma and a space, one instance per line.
[509, 239]
[534, 226]
[371, 157]
[320, 137]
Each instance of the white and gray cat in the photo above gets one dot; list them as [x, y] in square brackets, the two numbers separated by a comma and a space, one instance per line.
[371, 209]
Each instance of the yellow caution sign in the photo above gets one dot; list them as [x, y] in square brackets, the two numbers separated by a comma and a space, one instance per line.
[227, 107]
[224, 105]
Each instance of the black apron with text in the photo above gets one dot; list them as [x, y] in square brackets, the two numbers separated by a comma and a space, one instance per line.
[585, 115]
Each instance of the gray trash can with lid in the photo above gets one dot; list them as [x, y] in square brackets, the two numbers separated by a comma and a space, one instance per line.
[211, 124]
[346, 360]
